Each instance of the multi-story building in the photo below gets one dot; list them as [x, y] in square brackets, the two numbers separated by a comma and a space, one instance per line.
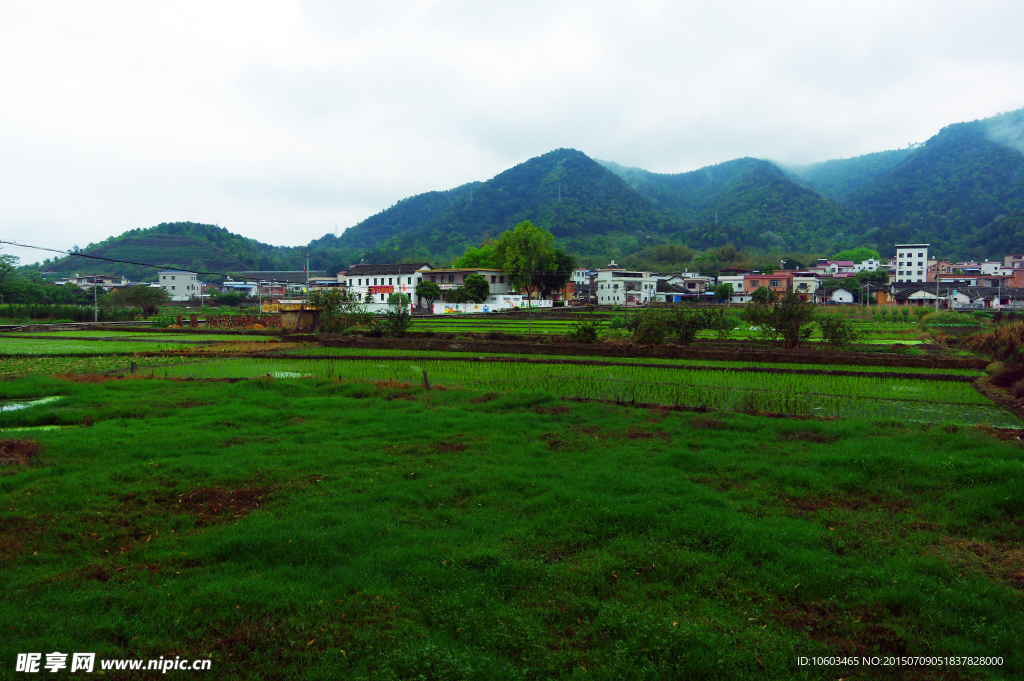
[939, 268]
[1013, 261]
[450, 279]
[911, 263]
[616, 286]
[180, 285]
[779, 282]
[374, 283]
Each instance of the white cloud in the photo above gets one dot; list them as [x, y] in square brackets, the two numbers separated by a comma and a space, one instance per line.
[279, 120]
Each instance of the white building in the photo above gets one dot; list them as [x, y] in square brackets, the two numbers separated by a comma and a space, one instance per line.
[869, 265]
[911, 263]
[374, 283]
[841, 295]
[180, 285]
[580, 276]
[616, 286]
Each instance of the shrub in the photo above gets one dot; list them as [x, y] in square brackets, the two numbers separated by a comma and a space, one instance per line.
[396, 322]
[617, 322]
[837, 332]
[787, 318]
[649, 327]
[584, 332]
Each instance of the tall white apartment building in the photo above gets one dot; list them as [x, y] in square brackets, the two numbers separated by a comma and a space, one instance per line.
[911, 263]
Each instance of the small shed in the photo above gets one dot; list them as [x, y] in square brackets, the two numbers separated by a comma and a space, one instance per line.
[297, 316]
[841, 295]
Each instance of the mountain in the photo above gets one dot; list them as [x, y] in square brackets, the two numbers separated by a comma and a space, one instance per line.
[748, 202]
[563, 190]
[181, 245]
[839, 178]
[954, 191]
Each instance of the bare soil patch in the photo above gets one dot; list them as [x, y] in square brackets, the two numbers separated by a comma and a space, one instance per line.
[636, 434]
[709, 423]
[808, 436]
[552, 411]
[17, 452]
[449, 447]
[850, 502]
[486, 397]
[846, 632]
[211, 505]
[1000, 562]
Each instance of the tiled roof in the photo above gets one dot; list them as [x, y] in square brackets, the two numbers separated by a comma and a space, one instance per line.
[400, 268]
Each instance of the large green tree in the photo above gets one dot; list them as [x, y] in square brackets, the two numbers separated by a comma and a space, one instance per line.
[7, 265]
[523, 253]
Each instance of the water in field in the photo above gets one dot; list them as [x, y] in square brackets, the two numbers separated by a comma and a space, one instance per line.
[15, 405]
[871, 396]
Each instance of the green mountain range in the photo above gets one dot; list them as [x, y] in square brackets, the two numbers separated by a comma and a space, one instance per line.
[962, 191]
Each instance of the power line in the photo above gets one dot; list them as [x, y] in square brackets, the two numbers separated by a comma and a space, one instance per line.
[100, 257]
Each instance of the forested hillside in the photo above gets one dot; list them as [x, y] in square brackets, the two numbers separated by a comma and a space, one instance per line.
[184, 245]
[564, 190]
[747, 202]
[840, 178]
[952, 191]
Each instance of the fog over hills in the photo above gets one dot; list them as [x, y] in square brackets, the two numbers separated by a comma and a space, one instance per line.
[962, 190]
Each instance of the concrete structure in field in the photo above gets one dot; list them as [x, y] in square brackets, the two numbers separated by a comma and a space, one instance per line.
[911, 263]
[616, 286]
[180, 285]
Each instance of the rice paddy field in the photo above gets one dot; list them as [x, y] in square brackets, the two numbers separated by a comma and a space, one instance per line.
[322, 514]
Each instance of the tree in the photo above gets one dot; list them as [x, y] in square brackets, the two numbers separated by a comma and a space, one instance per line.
[146, 298]
[763, 295]
[523, 253]
[787, 317]
[475, 289]
[557, 272]
[484, 257]
[723, 291]
[857, 254]
[338, 310]
[7, 265]
[429, 290]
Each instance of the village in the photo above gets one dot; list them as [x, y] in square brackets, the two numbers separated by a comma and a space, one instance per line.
[911, 277]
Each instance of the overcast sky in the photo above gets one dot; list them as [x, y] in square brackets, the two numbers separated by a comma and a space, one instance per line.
[280, 120]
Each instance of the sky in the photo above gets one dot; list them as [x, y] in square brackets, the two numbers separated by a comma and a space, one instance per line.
[283, 120]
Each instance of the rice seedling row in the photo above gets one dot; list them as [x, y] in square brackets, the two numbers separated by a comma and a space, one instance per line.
[825, 396]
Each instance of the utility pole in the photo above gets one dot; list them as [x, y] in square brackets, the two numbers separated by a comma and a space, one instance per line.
[307, 276]
[936, 288]
[95, 307]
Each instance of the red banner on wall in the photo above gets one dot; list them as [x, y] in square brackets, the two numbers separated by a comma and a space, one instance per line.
[382, 289]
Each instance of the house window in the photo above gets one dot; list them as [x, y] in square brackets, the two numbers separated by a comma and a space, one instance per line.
[501, 280]
[389, 281]
[433, 278]
[774, 282]
[172, 278]
[494, 279]
[451, 278]
[409, 280]
[382, 297]
[172, 288]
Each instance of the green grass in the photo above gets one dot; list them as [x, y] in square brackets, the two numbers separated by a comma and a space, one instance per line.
[58, 346]
[405, 534]
[13, 367]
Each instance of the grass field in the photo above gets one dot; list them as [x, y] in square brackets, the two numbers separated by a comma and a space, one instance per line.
[326, 529]
[340, 521]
